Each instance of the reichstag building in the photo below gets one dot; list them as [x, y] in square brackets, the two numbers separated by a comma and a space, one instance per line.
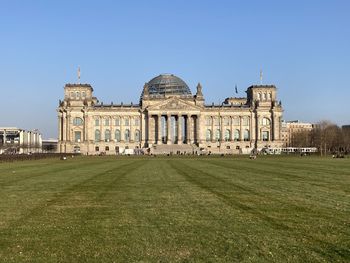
[168, 119]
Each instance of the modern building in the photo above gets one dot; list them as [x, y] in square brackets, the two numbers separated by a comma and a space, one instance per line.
[168, 119]
[292, 130]
[18, 141]
[49, 145]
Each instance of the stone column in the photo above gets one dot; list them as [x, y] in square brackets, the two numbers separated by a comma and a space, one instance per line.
[222, 132]
[179, 130]
[188, 129]
[240, 128]
[121, 118]
[143, 139]
[64, 126]
[258, 127]
[198, 127]
[68, 127]
[159, 129]
[212, 129]
[168, 129]
[59, 126]
[231, 128]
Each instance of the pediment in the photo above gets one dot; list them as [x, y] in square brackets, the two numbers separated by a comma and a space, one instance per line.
[173, 104]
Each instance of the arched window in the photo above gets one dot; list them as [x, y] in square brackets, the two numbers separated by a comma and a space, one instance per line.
[236, 121]
[106, 121]
[227, 135]
[97, 122]
[107, 135]
[236, 135]
[78, 95]
[83, 94]
[77, 121]
[269, 96]
[264, 96]
[265, 121]
[208, 135]
[217, 135]
[259, 96]
[246, 135]
[137, 136]
[126, 121]
[72, 95]
[97, 135]
[117, 121]
[117, 135]
[127, 135]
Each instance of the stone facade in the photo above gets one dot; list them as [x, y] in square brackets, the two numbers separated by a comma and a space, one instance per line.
[169, 119]
[291, 129]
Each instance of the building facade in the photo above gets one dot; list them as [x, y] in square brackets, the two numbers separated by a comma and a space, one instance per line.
[295, 133]
[18, 141]
[168, 119]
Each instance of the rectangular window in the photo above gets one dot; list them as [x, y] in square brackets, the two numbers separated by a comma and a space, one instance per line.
[137, 121]
[265, 136]
[117, 122]
[107, 122]
[77, 136]
[126, 122]
[97, 122]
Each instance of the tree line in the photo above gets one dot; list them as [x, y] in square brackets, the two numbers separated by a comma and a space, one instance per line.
[326, 136]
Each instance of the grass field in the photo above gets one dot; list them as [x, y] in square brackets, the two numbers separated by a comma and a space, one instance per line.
[189, 209]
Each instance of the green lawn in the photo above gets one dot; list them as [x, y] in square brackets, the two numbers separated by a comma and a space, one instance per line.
[189, 209]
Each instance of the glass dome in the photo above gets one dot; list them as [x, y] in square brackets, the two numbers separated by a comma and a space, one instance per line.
[168, 84]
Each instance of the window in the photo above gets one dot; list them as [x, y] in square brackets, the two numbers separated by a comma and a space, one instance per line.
[217, 135]
[107, 135]
[208, 135]
[107, 122]
[83, 94]
[126, 122]
[265, 136]
[264, 96]
[97, 148]
[226, 121]
[137, 136]
[107, 148]
[269, 96]
[236, 121]
[78, 95]
[77, 136]
[77, 121]
[246, 135]
[236, 135]
[217, 121]
[137, 121]
[227, 135]
[265, 121]
[127, 135]
[259, 96]
[117, 121]
[246, 121]
[97, 135]
[208, 121]
[97, 122]
[117, 135]
[72, 95]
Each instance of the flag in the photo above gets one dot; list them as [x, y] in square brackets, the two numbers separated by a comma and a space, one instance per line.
[261, 77]
[79, 74]
[236, 89]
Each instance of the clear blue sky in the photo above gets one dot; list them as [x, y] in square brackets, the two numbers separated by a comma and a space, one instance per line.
[303, 48]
